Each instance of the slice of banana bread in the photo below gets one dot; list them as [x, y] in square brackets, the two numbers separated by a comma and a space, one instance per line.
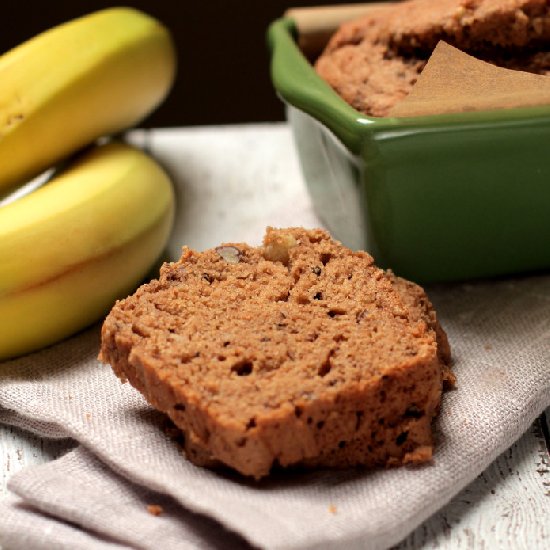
[287, 353]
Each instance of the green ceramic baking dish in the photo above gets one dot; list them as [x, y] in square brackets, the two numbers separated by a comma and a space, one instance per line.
[435, 198]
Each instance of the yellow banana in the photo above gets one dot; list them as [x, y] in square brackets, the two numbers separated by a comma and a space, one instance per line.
[70, 248]
[67, 86]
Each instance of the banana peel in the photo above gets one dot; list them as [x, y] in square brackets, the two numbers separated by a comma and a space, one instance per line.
[68, 86]
[72, 247]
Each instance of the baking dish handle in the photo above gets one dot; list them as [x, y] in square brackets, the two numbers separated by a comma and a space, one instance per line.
[298, 84]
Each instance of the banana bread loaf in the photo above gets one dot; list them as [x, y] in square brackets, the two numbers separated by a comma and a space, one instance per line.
[296, 352]
[374, 62]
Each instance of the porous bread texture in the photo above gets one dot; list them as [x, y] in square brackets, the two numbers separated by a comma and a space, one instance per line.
[370, 448]
[374, 62]
[297, 352]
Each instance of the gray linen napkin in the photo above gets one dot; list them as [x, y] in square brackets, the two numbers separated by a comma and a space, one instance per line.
[500, 331]
[113, 508]
[97, 496]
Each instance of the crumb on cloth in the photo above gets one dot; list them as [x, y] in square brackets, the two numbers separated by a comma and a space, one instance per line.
[155, 509]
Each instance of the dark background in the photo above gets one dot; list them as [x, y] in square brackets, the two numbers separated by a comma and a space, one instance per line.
[223, 62]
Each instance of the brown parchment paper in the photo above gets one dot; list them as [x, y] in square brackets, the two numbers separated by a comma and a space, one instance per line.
[455, 82]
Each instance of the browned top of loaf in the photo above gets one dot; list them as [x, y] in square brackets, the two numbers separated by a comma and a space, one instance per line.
[374, 62]
[248, 331]
[470, 24]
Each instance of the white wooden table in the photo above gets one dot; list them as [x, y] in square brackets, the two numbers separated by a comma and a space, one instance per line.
[508, 506]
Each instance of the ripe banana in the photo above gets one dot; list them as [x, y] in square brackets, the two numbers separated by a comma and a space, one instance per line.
[76, 82]
[70, 248]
